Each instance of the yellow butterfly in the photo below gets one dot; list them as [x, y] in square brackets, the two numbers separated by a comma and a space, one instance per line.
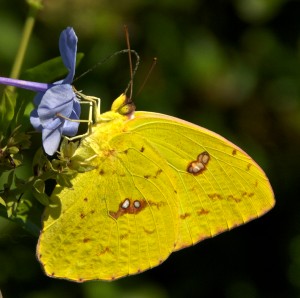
[160, 184]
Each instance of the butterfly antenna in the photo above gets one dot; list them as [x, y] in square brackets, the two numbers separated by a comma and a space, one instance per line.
[133, 73]
[109, 57]
[96, 65]
[129, 59]
[148, 75]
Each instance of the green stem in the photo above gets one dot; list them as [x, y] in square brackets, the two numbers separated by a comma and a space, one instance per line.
[27, 30]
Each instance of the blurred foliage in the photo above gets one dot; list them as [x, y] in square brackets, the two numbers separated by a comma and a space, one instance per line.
[230, 66]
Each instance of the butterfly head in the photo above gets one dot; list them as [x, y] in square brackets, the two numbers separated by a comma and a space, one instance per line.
[124, 106]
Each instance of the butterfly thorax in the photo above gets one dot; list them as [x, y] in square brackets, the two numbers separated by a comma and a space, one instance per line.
[109, 124]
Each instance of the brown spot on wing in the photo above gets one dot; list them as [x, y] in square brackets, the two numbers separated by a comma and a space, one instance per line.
[247, 194]
[215, 196]
[196, 167]
[202, 211]
[185, 215]
[158, 173]
[130, 209]
[104, 251]
[111, 152]
[157, 204]
[232, 198]
[234, 152]
[123, 236]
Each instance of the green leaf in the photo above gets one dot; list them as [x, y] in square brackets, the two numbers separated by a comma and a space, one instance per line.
[3, 212]
[7, 109]
[2, 202]
[49, 71]
[28, 214]
[25, 103]
[6, 180]
[65, 179]
[19, 182]
[39, 192]
[18, 139]
[40, 163]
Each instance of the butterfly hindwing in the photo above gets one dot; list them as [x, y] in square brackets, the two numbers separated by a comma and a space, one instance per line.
[118, 219]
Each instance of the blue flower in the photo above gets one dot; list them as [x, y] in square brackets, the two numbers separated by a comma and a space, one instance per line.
[59, 101]
[55, 103]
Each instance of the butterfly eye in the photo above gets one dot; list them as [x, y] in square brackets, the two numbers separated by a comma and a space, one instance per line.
[127, 109]
[123, 105]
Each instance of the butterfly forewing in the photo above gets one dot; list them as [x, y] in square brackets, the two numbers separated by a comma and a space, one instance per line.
[218, 185]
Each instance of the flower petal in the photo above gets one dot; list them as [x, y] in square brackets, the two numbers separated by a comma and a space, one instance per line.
[68, 48]
[76, 109]
[56, 100]
[37, 99]
[51, 139]
[35, 120]
[70, 128]
[53, 123]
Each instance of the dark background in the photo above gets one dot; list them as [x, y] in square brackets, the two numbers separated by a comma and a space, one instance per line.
[230, 66]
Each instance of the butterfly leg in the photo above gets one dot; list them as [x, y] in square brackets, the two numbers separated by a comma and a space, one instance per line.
[94, 112]
[96, 102]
